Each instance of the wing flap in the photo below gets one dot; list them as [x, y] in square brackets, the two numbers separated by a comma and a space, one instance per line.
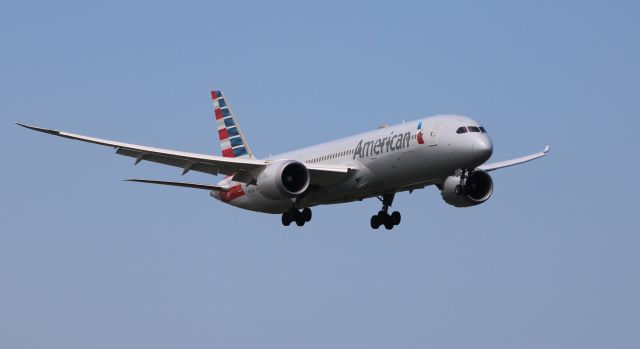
[185, 164]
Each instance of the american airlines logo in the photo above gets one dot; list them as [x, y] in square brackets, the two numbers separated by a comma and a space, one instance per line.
[419, 136]
[381, 145]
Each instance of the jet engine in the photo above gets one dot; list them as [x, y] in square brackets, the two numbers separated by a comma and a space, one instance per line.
[475, 189]
[283, 179]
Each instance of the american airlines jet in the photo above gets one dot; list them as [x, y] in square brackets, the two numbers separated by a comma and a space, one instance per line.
[448, 151]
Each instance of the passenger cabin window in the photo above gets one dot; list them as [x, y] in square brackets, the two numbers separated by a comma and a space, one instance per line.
[462, 129]
[473, 129]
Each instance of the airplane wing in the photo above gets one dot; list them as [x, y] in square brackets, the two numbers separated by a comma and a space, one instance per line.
[513, 162]
[239, 168]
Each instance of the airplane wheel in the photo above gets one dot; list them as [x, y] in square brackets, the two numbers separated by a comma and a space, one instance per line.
[306, 214]
[395, 218]
[299, 220]
[388, 224]
[286, 219]
[375, 222]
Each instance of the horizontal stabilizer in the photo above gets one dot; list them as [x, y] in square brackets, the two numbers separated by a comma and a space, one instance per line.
[180, 184]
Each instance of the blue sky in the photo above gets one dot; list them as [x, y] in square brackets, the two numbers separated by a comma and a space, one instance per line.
[89, 261]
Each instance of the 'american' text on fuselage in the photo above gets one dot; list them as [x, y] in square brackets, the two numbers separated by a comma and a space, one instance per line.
[382, 145]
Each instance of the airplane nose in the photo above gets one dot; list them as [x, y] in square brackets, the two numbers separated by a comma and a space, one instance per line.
[483, 148]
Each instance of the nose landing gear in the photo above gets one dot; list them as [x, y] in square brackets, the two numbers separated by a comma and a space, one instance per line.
[462, 187]
[383, 217]
[293, 215]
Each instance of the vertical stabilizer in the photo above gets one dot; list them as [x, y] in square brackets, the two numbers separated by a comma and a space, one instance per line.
[232, 141]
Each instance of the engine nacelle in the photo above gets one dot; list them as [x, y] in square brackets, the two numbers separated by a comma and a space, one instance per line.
[283, 179]
[477, 189]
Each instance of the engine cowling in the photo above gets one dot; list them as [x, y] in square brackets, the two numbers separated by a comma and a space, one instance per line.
[283, 179]
[477, 189]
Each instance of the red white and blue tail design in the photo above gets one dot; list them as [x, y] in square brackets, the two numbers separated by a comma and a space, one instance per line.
[232, 141]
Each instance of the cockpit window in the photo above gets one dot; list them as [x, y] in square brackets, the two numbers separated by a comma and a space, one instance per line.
[462, 129]
[473, 129]
[483, 130]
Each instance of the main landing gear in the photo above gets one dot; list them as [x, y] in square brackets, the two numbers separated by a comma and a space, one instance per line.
[293, 215]
[383, 217]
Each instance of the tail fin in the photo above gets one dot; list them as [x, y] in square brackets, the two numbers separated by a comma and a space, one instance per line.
[232, 141]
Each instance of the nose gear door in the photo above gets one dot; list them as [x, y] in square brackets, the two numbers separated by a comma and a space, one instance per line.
[433, 135]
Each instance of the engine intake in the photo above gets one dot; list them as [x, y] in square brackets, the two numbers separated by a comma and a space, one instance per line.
[477, 189]
[283, 179]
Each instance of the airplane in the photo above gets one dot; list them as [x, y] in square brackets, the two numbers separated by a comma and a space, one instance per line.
[448, 151]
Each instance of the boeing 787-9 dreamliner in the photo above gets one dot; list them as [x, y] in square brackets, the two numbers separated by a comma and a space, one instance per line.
[448, 151]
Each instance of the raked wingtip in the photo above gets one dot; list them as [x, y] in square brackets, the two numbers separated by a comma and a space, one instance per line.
[39, 129]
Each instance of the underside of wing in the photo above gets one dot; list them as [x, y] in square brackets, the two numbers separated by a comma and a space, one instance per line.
[513, 162]
[328, 175]
[187, 161]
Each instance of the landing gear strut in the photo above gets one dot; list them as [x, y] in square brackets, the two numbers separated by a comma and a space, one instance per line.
[293, 215]
[460, 188]
[383, 217]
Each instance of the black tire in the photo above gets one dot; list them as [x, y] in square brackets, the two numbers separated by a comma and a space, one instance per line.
[306, 214]
[388, 224]
[382, 217]
[300, 220]
[375, 222]
[286, 220]
[395, 218]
